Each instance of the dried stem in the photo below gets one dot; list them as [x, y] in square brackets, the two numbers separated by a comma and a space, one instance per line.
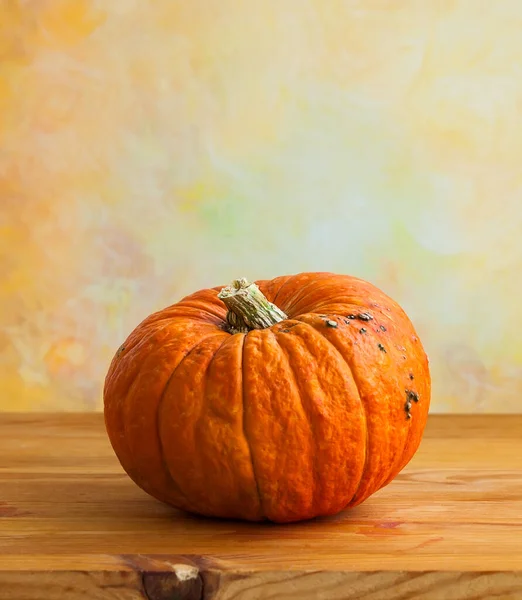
[248, 308]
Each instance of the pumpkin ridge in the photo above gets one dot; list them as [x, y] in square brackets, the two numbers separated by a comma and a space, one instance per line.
[204, 308]
[367, 437]
[274, 301]
[366, 420]
[309, 418]
[402, 462]
[140, 341]
[346, 293]
[363, 405]
[205, 297]
[271, 287]
[300, 294]
[111, 414]
[200, 315]
[302, 298]
[166, 314]
[197, 421]
[250, 453]
[158, 411]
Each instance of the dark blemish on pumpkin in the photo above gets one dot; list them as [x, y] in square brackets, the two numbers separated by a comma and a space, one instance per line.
[284, 330]
[331, 324]
[362, 330]
[364, 317]
[404, 357]
[381, 347]
[411, 376]
[407, 408]
[382, 328]
[411, 395]
[350, 316]
[120, 351]
[347, 321]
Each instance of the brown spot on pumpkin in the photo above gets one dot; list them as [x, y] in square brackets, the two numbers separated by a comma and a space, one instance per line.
[381, 348]
[350, 316]
[412, 396]
[347, 321]
[284, 330]
[382, 328]
[411, 376]
[362, 330]
[120, 351]
[407, 404]
[331, 324]
[364, 316]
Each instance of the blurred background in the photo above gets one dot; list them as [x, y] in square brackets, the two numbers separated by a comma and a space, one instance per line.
[149, 149]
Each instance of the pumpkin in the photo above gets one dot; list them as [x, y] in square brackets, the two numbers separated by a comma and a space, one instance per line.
[279, 400]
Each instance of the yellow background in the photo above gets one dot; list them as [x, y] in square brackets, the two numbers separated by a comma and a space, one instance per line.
[148, 149]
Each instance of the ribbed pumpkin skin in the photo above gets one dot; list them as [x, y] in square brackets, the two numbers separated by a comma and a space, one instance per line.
[288, 423]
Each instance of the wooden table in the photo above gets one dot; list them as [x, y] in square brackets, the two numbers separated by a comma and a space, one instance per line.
[72, 525]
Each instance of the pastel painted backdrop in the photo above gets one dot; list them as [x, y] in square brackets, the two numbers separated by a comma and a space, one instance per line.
[148, 149]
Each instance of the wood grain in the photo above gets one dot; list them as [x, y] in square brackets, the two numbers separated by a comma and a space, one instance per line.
[72, 525]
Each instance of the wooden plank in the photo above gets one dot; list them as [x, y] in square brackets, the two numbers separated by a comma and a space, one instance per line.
[72, 525]
[184, 583]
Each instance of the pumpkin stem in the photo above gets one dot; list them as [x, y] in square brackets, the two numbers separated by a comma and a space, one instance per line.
[248, 308]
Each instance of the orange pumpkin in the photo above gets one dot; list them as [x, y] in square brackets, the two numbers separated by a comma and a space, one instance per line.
[282, 400]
